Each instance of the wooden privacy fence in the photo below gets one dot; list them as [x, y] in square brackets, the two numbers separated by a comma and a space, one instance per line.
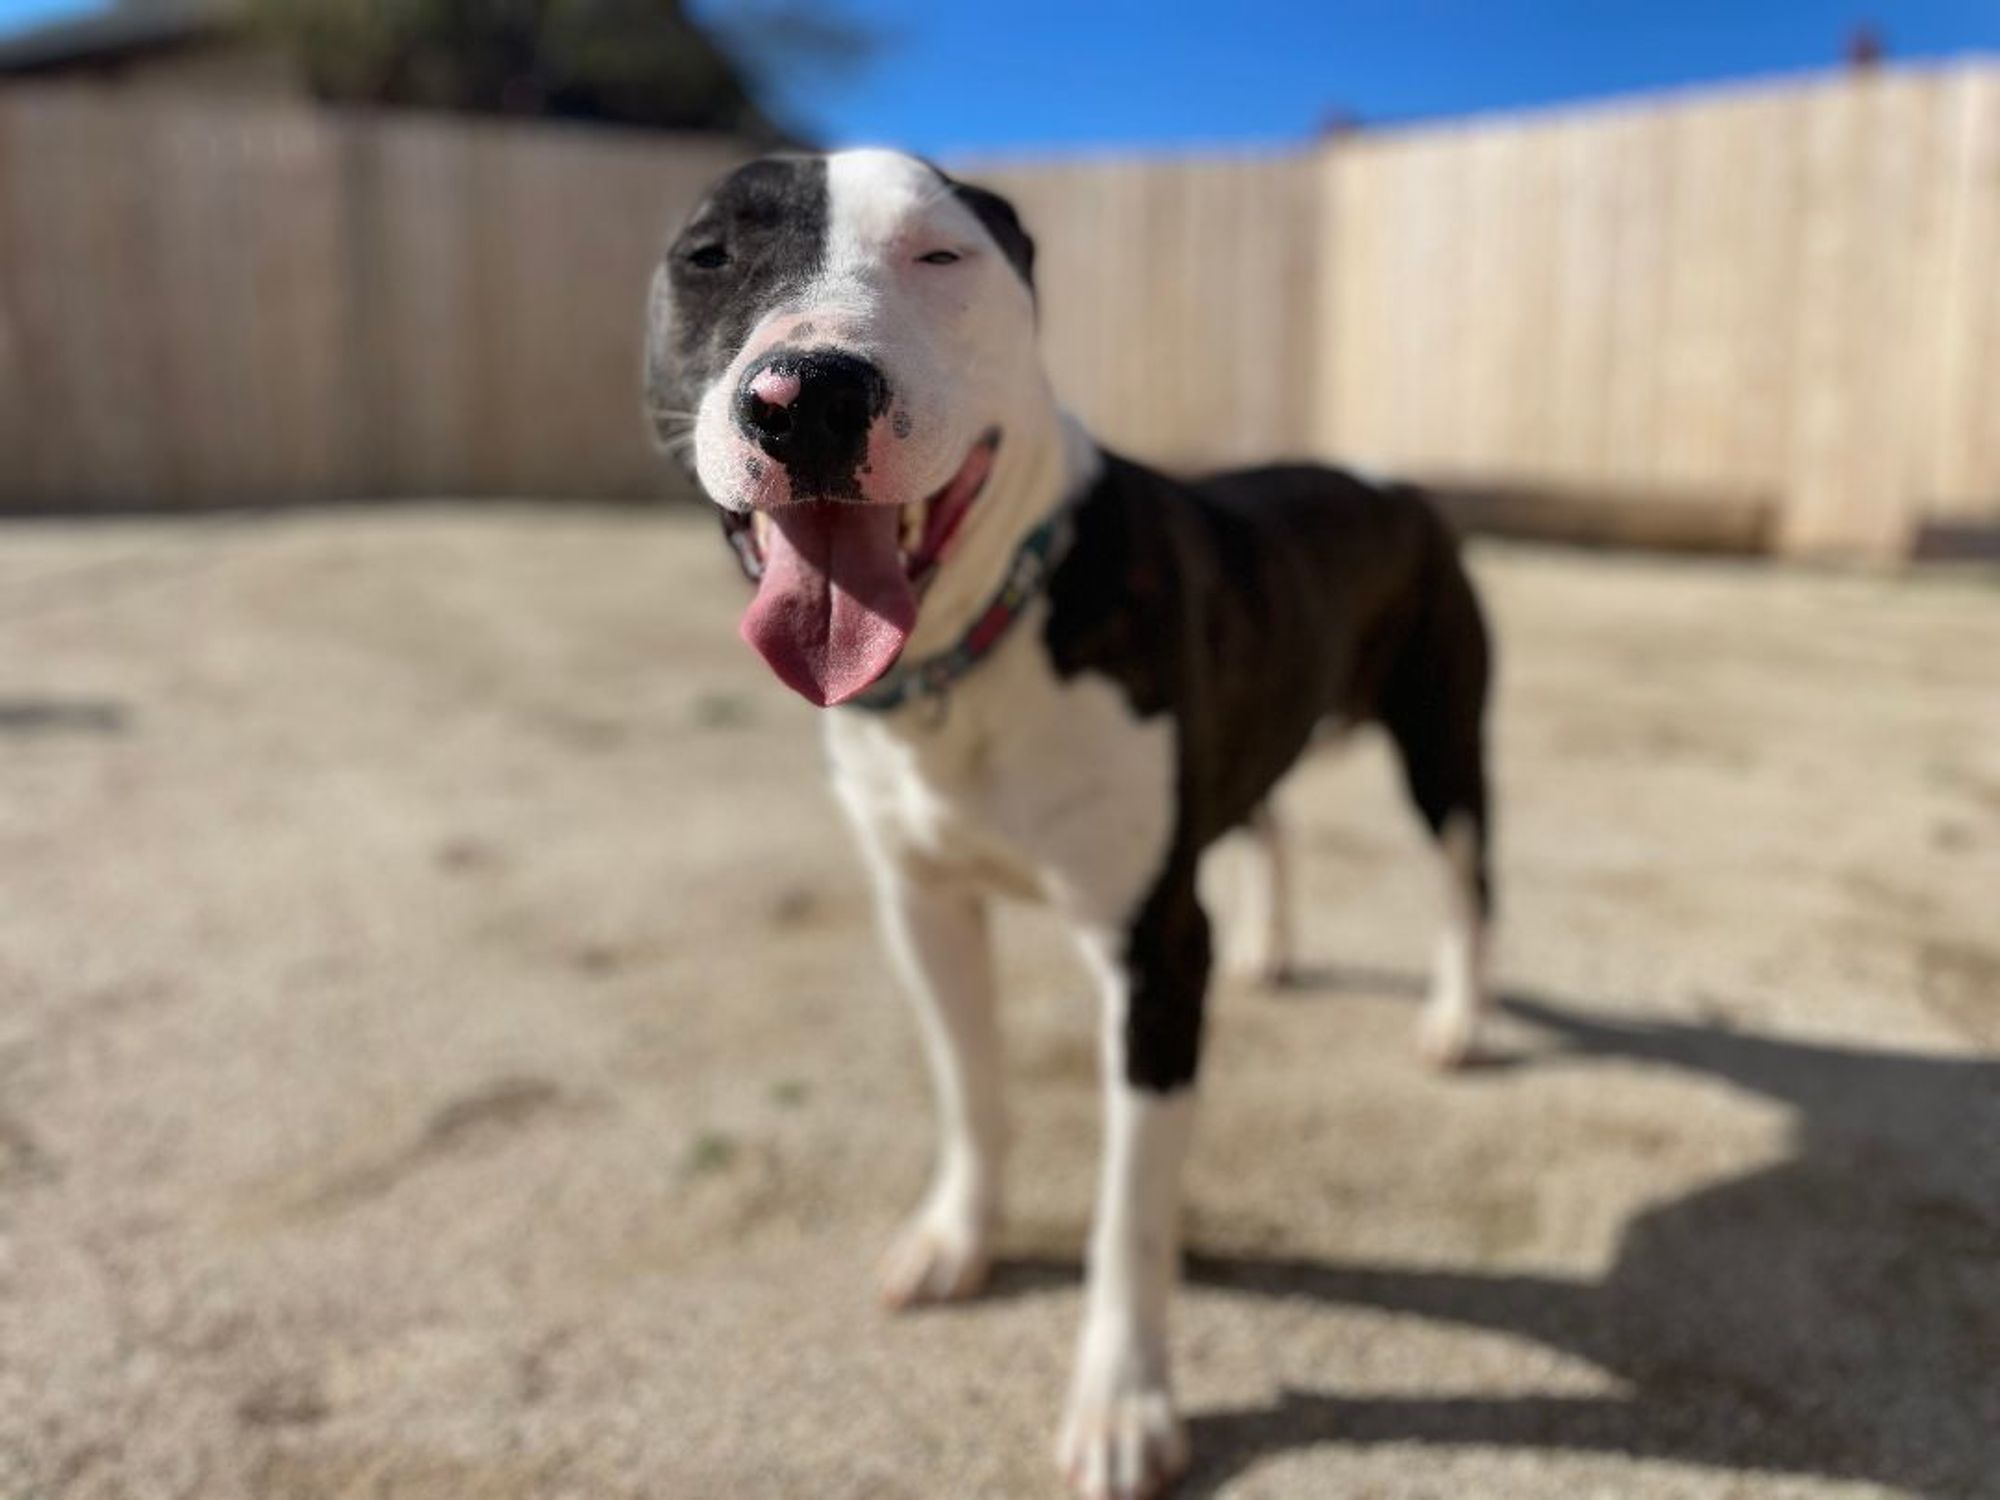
[204, 305]
[1783, 303]
[1789, 296]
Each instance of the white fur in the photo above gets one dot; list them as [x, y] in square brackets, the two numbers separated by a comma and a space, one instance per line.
[935, 924]
[1449, 1030]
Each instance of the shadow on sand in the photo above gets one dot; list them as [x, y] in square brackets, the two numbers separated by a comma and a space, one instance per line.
[1836, 1314]
[49, 716]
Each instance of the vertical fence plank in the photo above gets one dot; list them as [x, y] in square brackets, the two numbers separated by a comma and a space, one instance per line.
[1580, 344]
[1961, 478]
[87, 428]
[1726, 336]
[1868, 288]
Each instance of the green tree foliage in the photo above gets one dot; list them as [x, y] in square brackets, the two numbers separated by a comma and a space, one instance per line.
[632, 62]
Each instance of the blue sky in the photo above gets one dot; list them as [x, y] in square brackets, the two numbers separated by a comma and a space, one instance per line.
[955, 78]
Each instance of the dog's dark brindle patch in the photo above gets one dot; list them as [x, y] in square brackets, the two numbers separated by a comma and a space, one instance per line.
[1251, 607]
[767, 221]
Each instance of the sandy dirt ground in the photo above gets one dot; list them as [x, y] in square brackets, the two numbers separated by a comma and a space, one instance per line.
[444, 1054]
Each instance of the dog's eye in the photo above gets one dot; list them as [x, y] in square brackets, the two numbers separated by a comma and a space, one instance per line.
[940, 257]
[709, 257]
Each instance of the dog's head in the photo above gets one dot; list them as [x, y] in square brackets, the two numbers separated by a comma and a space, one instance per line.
[834, 342]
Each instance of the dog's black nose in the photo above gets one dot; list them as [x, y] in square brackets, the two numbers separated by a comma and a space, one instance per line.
[811, 412]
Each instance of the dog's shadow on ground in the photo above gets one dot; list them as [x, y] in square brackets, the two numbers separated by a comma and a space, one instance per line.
[1836, 1314]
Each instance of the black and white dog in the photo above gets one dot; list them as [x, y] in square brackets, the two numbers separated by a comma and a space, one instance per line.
[1061, 676]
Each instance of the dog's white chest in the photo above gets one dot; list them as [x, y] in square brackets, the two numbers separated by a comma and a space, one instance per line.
[1036, 786]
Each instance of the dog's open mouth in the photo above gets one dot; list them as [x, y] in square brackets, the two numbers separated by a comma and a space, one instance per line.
[837, 581]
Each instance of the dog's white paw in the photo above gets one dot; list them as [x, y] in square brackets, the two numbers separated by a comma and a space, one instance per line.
[1121, 1439]
[1448, 1034]
[940, 1257]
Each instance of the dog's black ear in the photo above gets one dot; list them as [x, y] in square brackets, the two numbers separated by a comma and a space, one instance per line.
[998, 215]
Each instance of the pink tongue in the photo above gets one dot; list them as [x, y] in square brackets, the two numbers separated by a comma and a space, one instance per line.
[834, 607]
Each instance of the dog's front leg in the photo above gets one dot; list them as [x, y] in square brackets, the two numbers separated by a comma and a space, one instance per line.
[936, 928]
[1122, 1437]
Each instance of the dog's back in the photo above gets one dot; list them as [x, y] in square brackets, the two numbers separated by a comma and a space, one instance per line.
[1256, 604]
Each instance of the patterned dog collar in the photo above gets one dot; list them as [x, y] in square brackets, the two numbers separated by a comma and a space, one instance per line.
[1034, 564]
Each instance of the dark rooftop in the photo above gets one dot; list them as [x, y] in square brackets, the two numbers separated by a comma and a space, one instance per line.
[115, 34]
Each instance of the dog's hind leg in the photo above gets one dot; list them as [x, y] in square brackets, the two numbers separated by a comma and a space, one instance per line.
[937, 933]
[1434, 709]
[1449, 1030]
[1256, 906]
